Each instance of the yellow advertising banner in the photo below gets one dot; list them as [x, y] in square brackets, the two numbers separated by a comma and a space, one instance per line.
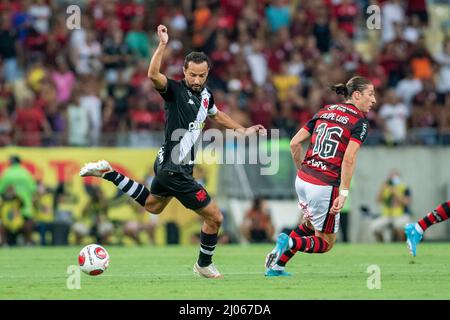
[62, 165]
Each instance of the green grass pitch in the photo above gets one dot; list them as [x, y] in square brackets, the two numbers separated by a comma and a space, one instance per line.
[166, 273]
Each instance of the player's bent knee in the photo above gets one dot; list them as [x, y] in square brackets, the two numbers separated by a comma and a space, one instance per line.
[155, 205]
[219, 220]
[154, 208]
[329, 239]
[309, 224]
[331, 243]
[215, 221]
[330, 246]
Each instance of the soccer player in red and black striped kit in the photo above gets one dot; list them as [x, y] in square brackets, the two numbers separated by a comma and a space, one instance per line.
[323, 180]
[188, 104]
[414, 231]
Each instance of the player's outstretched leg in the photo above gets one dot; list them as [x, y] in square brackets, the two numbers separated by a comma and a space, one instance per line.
[413, 237]
[104, 170]
[414, 231]
[319, 243]
[208, 240]
[281, 247]
[302, 230]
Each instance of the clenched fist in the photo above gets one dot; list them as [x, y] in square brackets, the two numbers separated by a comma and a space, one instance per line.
[162, 34]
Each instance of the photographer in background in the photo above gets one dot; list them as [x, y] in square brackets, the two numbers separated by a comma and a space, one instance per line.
[395, 199]
[257, 226]
[24, 184]
[11, 219]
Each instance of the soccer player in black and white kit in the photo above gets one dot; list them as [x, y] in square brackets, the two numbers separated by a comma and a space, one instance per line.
[187, 104]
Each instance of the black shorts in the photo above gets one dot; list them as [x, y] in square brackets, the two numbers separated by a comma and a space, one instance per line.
[181, 186]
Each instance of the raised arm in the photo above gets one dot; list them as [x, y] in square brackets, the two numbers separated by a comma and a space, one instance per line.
[159, 80]
[225, 120]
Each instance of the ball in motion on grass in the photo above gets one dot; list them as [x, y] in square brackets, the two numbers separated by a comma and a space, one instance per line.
[93, 259]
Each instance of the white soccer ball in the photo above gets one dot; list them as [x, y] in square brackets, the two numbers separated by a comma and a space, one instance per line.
[93, 259]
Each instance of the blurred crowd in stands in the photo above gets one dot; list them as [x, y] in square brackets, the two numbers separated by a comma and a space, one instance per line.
[273, 63]
[32, 213]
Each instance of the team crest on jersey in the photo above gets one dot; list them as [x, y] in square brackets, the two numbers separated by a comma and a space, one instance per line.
[205, 103]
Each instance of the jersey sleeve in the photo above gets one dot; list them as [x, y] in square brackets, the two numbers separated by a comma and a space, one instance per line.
[212, 108]
[169, 92]
[309, 126]
[360, 130]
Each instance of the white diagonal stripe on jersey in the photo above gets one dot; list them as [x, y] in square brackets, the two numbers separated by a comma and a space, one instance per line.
[133, 189]
[190, 137]
[123, 183]
[206, 251]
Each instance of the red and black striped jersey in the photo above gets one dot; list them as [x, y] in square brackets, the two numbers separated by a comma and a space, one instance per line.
[331, 128]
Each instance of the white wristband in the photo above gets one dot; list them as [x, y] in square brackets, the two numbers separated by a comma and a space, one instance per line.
[344, 193]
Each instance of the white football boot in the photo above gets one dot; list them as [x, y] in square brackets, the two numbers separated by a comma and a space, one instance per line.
[96, 169]
[207, 272]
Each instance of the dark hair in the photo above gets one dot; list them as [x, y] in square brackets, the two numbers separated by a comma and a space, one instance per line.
[354, 84]
[196, 57]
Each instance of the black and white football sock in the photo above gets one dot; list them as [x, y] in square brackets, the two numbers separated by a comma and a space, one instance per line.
[207, 245]
[132, 188]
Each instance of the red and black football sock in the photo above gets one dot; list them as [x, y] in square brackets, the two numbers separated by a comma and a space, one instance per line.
[207, 245]
[134, 189]
[302, 230]
[441, 213]
[310, 244]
